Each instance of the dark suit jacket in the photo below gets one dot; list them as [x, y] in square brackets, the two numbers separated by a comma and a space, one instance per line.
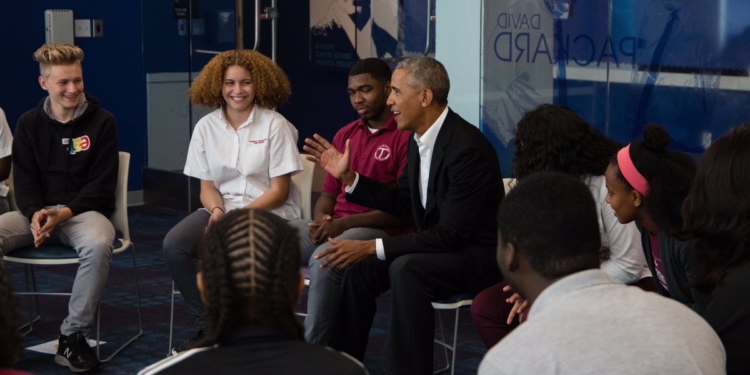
[464, 190]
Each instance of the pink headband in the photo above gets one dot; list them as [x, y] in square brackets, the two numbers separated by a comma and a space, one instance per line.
[631, 174]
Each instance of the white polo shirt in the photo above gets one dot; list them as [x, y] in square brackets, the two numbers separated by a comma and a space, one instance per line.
[6, 143]
[241, 163]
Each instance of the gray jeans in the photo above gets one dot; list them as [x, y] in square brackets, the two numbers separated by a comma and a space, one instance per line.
[180, 252]
[325, 284]
[91, 235]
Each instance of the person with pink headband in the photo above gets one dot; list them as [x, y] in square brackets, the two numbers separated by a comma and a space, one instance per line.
[647, 184]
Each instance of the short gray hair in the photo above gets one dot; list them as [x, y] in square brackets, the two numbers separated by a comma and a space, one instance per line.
[427, 73]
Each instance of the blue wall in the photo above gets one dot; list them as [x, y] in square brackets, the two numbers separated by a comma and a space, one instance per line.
[112, 66]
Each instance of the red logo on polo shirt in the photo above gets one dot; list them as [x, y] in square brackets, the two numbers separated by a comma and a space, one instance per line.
[382, 153]
[258, 141]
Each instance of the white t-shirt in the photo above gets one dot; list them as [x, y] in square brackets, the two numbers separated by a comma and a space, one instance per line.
[6, 142]
[241, 163]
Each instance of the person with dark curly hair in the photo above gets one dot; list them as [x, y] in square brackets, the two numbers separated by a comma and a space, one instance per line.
[552, 138]
[647, 184]
[581, 321]
[10, 341]
[244, 154]
[717, 216]
[249, 280]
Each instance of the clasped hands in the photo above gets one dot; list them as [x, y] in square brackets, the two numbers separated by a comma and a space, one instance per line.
[44, 221]
[520, 305]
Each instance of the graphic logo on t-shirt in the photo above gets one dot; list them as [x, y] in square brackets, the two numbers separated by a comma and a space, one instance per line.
[382, 153]
[80, 144]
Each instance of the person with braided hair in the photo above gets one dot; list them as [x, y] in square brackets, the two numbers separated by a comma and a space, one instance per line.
[249, 280]
[244, 153]
[647, 184]
[717, 216]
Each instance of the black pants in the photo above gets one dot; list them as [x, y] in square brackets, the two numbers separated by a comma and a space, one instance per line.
[415, 281]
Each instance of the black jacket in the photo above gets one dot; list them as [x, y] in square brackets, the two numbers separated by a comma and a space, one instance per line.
[258, 350]
[681, 269]
[73, 164]
[464, 190]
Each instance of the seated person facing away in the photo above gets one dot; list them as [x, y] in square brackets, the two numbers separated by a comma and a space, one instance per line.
[553, 138]
[10, 341]
[717, 216]
[451, 188]
[379, 152]
[647, 184]
[250, 282]
[581, 321]
[65, 172]
[6, 143]
[244, 153]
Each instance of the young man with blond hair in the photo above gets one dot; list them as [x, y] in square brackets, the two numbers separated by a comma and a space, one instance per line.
[65, 172]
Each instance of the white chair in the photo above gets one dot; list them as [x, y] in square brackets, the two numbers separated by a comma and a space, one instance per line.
[455, 303]
[56, 255]
[304, 182]
[508, 183]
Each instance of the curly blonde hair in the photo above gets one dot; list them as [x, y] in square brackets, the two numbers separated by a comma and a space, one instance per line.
[272, 88]
[56, 54]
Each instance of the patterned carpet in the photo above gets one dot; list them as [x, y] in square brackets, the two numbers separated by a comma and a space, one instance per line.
[148, 225]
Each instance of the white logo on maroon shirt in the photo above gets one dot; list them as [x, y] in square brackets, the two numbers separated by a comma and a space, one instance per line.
[382, 153]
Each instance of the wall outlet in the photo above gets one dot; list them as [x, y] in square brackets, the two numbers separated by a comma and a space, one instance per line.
[82, 28]
[98, 28]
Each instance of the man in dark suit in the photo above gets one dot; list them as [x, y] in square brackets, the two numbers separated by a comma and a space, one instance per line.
[452, 188]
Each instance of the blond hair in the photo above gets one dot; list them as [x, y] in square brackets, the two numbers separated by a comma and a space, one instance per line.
[56, 54]
[271, 85]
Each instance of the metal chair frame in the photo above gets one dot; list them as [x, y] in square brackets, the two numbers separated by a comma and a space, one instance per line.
[119, 220]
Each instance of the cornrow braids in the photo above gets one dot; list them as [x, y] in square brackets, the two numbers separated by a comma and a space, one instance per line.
[250, 264]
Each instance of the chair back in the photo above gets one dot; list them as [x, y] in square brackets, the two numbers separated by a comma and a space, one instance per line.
[304, 182]
[119, 217]
[508, 183]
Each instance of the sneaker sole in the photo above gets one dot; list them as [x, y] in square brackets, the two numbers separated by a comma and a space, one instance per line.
[62, 361]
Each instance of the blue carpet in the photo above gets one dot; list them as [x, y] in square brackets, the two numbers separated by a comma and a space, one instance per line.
[148, 225]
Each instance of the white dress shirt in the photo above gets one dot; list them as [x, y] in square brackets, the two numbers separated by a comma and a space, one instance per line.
[242, 162]
[426, 144]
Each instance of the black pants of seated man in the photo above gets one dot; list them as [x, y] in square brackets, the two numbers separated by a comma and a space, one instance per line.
[415, 280]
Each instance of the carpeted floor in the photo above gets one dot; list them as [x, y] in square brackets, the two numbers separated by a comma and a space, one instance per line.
[148, 225]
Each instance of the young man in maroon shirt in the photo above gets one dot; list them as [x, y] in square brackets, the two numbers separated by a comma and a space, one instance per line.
[380, 153]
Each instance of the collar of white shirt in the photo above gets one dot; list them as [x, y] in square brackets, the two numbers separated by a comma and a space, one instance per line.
[430, 136]
[246, 123]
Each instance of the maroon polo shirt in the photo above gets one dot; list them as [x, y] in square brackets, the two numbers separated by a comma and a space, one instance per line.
[381, 156]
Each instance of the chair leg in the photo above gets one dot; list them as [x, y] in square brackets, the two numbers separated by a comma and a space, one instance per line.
[32, 319]
[455, 343]
[171, 322]
[442, 343]
[140, 322]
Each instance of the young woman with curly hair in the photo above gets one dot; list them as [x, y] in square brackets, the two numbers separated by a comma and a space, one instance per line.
[250, 282]
[717, 217]
[553, 138]
[647, 184]
[244, 153]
